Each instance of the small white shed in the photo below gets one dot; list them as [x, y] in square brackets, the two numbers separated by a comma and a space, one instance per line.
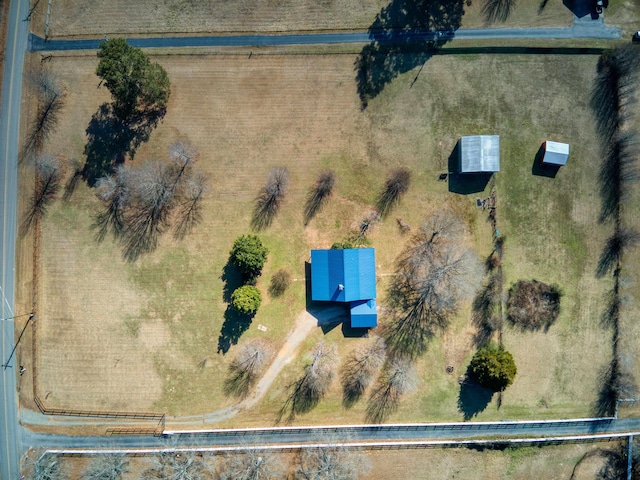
[555, 153]
[479, 154]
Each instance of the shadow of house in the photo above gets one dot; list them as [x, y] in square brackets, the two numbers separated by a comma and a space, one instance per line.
[473, 162]
[403, 36]
[473, 398]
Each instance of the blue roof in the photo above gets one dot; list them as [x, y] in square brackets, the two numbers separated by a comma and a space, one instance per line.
[343, 275]
[364, 314]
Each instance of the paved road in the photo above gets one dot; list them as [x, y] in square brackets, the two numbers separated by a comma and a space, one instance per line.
[17, 34]
[297, 435]
[580, 29]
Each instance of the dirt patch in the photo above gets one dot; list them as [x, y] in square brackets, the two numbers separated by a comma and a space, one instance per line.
[248, 113]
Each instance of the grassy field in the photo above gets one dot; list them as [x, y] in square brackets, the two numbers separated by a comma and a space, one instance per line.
[114, 335]
[83, 17]
[579, 462]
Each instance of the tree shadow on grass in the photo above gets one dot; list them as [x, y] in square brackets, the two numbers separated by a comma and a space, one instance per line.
[614, 248]
[238, 383]
[616, 382]
[485, 310]
[232, 279]
[403, 37]
[473, 397]
[110, 139]
[235, 324]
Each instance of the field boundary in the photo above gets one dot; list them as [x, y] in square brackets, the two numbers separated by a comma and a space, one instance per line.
[495, 444]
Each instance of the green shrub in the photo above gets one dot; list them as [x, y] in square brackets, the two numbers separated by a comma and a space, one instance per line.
[342, 245]
[246, 299]
[279, 282]
[493, 367]
[249, 255]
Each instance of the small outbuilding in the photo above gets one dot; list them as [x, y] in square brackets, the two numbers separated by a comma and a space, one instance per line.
[347, 276]
[555, 154]
[479, 154]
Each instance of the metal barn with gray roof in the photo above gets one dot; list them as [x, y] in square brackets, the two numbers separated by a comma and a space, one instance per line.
[479, 154]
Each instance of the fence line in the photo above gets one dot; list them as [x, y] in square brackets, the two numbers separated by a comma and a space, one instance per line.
[384, 445]
[399, 426]
[97, 413]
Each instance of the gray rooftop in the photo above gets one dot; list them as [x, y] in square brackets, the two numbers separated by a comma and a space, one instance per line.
[480, 153]
[555, 153]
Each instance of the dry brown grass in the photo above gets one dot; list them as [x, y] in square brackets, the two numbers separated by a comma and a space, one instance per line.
[551, 463]
[90, 17]
[162, 315]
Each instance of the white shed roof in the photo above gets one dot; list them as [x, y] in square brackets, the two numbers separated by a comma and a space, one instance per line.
[555, 153]
[480, 153]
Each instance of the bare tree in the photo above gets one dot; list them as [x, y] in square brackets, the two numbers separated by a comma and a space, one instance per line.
[172, 465]
[270, 198]
[182, 153]
[149, 215]
[360, 369]
[365, 224]
[395, 187]
[251, 464]
[48, 181]
[309, 389]
[497, 10]
[107, 466]
[434, 273]
[398, 378]
[142, 202]
[250, 361]
[46, 467]
[50, 95]
[437, 230]
[189, 208]
[331, 460]
[280, 281]
[486, 316]
[116, 192]
[72, 183]
[319, 194]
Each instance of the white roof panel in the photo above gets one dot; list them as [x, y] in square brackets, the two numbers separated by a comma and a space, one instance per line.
[480, 153]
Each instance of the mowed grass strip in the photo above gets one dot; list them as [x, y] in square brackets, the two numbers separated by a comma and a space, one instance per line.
[84, 17]
[163, 314]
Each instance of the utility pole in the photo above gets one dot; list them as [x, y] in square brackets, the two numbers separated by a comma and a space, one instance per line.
[32, 10]
[19, 338]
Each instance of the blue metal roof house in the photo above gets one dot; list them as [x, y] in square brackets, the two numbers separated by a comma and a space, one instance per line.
[347, 276]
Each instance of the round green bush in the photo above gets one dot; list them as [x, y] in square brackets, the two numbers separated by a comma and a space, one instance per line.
[246, 299]
[249, 255]
[493, 368]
